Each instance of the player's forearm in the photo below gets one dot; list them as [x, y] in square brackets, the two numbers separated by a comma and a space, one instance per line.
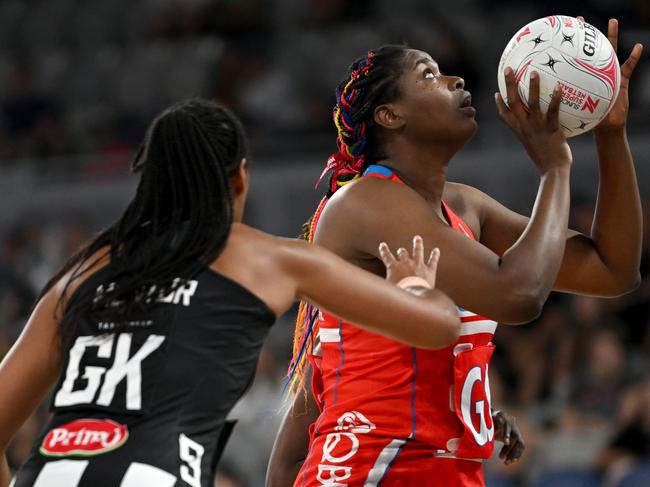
[286, 458]
[536, 257]
[438, 325]
[292, 441]
[283, 478]
[618, 222]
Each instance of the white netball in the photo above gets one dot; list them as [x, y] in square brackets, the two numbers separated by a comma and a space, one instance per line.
[576, 54]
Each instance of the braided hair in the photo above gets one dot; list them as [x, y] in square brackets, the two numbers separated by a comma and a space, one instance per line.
[370, 82]
[178, 221]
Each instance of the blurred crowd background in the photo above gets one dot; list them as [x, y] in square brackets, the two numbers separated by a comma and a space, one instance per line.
[81, 79]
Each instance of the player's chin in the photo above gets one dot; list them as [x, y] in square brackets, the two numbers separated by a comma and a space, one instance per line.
[467, 123]
[460, 133]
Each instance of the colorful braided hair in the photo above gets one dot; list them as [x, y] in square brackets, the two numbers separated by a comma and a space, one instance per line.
[371, 81]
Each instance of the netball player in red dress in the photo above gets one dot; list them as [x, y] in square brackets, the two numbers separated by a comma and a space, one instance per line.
[396, 415]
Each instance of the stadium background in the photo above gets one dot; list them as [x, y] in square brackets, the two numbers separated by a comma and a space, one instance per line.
[80, 79]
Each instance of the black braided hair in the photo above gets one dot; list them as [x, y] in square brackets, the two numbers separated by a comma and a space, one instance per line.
[178, 221]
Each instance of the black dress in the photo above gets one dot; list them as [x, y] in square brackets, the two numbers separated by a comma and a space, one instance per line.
[145, 403]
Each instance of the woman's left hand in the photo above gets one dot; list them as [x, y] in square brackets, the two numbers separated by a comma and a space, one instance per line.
[506, 431]
[617, 116]
[405, 265]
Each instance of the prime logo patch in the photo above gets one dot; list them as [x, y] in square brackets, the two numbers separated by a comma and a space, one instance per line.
[84, 438]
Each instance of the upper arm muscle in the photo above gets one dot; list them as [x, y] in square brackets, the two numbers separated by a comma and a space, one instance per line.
[468, 272]
[582, 271]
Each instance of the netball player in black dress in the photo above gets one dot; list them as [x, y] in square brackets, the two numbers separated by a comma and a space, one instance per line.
[151, 332]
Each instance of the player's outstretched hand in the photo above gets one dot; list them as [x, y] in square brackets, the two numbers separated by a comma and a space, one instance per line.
[405, 265]
[616, 118]
[540, 133]
[506, 431]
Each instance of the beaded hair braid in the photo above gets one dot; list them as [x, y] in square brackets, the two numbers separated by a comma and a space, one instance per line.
[371, 81]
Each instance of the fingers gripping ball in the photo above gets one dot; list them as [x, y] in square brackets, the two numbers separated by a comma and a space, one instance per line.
[575, 54]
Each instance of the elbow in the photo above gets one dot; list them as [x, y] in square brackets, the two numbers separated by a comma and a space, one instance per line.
[532, 309]
[625, 286]
[449, 333]
[522, 298]
[453, 330]
[618, 286]
[636, 282]
[523, 307]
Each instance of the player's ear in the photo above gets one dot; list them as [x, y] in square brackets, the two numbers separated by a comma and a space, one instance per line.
[388, 116]
[240, 179]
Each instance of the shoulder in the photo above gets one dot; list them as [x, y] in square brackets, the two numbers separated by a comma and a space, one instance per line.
[54, 298]
[284, 257]
[250, 240]
[368, 211]
[295, 255]
[262, 263]
[68, 284]
[369, 188]
[263, 254]
[369, 199]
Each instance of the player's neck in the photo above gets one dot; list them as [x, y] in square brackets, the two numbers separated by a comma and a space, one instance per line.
[238, 206]
[424, 171]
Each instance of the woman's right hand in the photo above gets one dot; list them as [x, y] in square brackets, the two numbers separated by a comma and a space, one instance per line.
[540, 133]
[397, 268]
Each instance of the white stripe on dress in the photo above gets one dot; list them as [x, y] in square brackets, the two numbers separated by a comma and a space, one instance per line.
[480, 326]
[62, 473]
[329, 335]
[383, 462]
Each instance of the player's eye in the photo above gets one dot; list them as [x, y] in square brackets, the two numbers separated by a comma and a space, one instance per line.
[429, 74]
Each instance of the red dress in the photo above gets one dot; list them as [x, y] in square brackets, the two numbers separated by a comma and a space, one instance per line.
[396, 415]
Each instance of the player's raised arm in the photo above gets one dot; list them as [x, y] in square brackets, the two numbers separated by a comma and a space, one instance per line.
[605, 262]
[424, 317]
